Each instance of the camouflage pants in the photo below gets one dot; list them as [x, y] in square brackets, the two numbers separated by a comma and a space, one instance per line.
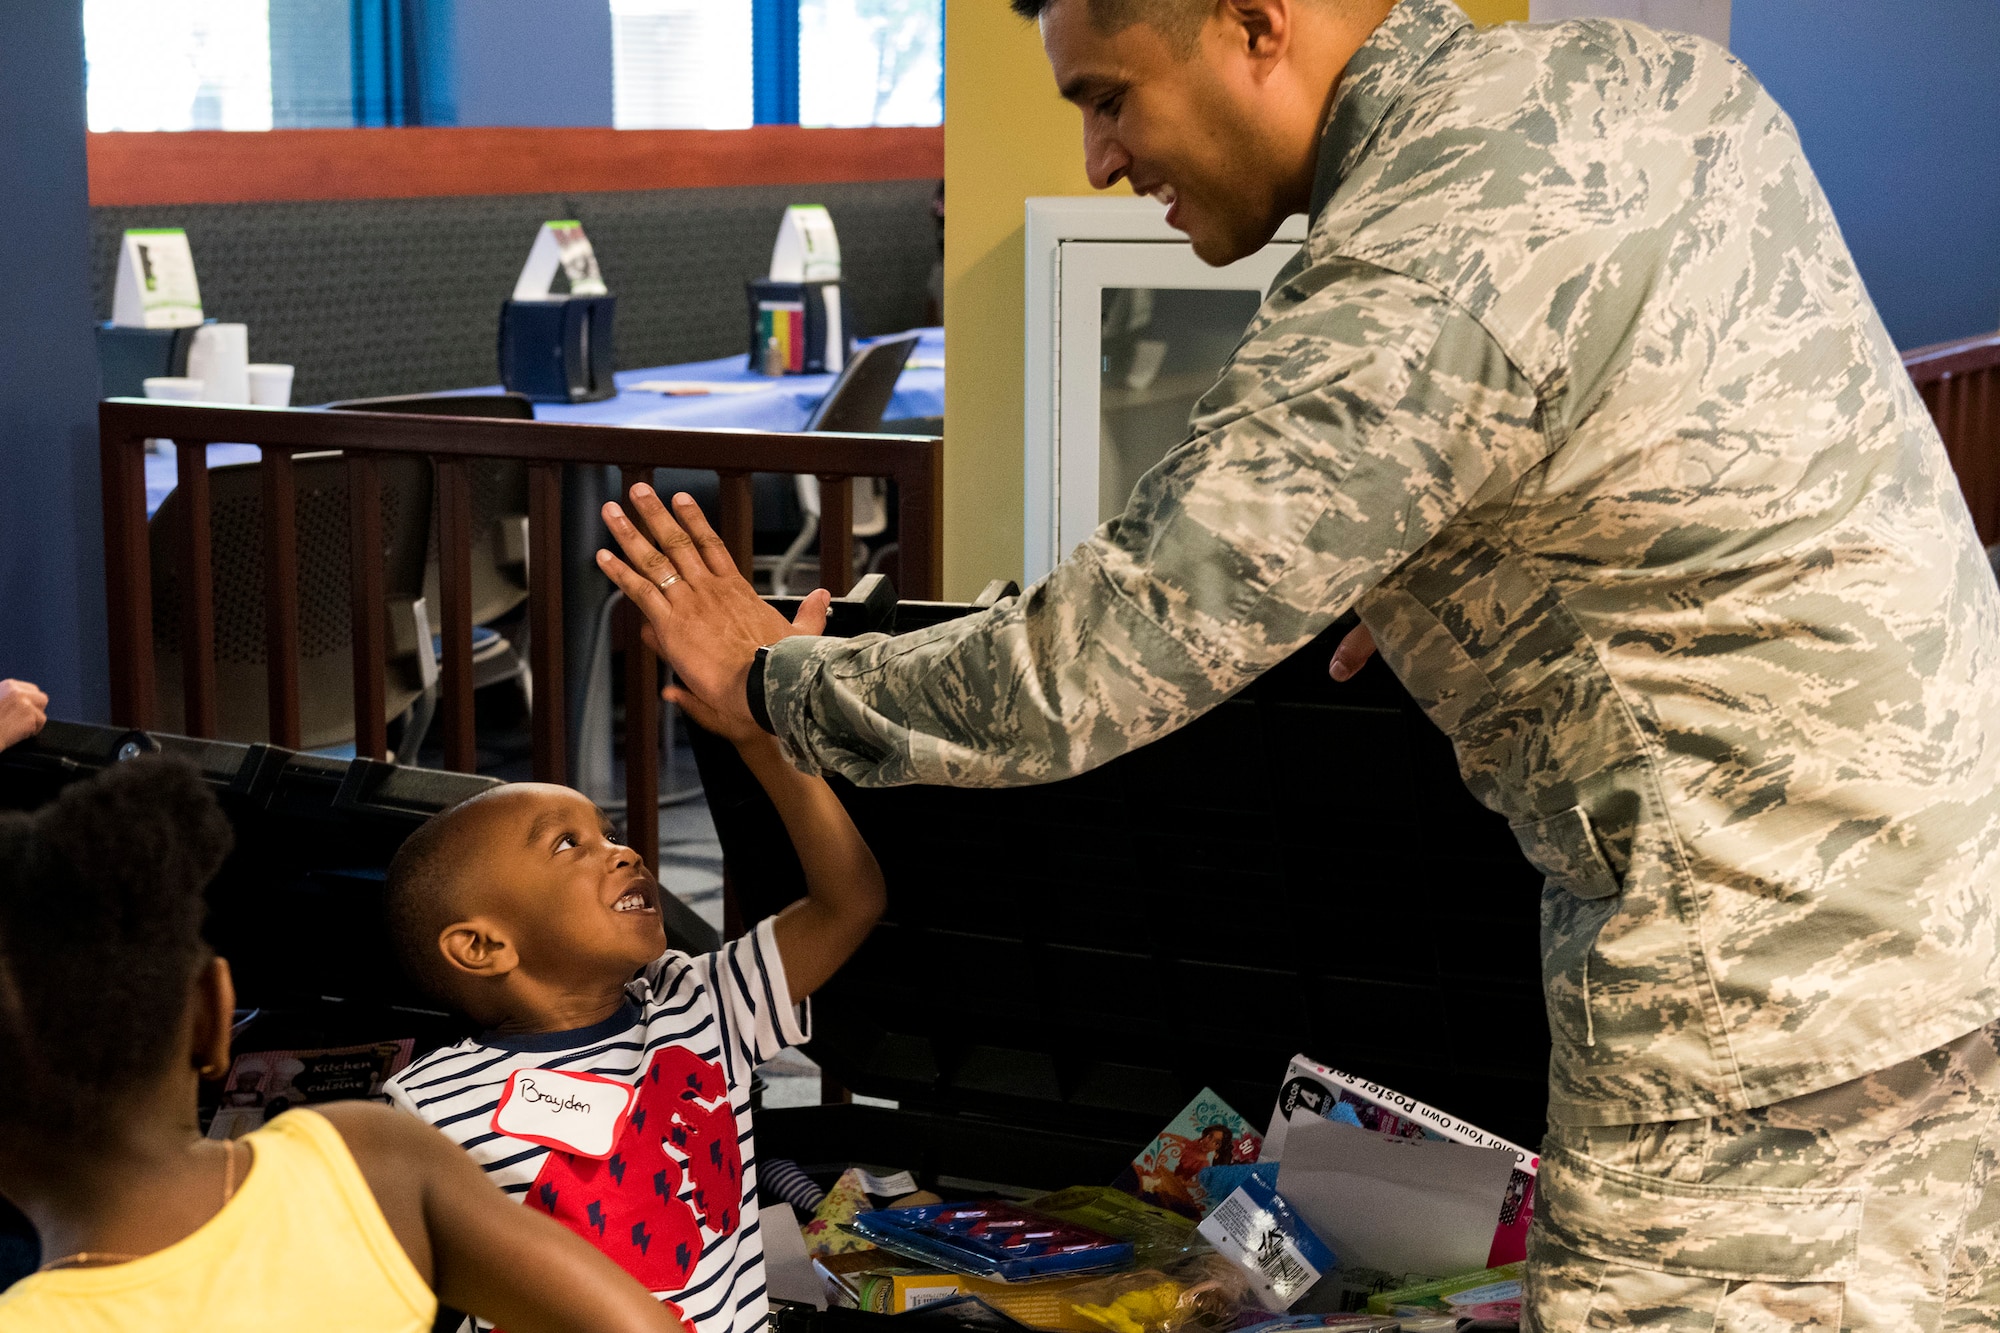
[1873, 1206]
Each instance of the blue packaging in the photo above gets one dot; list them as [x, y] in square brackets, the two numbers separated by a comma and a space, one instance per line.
[991, 1240]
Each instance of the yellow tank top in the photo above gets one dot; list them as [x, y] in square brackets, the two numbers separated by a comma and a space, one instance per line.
[302, 1245]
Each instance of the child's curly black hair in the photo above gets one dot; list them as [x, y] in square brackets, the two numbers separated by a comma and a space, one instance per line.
[100, 939]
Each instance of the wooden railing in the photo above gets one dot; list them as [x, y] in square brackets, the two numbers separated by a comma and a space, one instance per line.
[913, 463]
[1960, 383]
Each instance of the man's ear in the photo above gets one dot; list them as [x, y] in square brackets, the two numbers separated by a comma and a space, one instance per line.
[214, 1013]
[478, 947]
[1261, 29]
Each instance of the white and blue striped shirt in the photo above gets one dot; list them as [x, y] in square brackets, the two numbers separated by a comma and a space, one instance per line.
[675, 1203]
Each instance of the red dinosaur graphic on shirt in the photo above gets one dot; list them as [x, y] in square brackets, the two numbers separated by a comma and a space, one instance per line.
[629, 1204]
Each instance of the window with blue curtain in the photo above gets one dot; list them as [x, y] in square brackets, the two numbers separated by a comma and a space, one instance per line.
[696, 64]
[723, 64]
[393, 57]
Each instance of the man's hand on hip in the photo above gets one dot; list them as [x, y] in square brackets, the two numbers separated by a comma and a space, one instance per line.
[1356, 647]
[704, 617]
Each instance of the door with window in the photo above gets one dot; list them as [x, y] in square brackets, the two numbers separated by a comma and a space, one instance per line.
[1129, 332]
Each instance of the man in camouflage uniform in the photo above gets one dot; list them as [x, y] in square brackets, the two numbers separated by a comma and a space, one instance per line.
[1575, 394]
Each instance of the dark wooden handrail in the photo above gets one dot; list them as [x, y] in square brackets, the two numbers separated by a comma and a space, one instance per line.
[1960, 384]
[1941, 361]
[914, 463]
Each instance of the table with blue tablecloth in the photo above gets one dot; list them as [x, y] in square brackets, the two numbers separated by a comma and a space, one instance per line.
[783, 403]
[780, 404]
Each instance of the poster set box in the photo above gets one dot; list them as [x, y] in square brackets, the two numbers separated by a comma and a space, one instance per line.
[1241, 1030]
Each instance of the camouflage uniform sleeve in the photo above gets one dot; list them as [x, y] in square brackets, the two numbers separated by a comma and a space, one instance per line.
[1362, 412]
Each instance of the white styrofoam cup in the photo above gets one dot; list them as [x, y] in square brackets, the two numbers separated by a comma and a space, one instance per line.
[270, 385]
[175, 388]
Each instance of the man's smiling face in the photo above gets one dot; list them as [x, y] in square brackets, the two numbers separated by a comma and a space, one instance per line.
[1203, 130]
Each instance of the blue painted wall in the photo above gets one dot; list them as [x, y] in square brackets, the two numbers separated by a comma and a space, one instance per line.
[1899, 110]
[51, 532]
[531, 62]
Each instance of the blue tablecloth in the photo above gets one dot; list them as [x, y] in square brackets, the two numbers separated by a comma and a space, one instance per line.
[784, 405]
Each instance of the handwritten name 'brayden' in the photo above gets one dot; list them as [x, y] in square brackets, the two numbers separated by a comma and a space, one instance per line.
[557, 1103]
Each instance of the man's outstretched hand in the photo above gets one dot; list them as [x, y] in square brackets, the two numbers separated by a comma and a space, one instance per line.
[708, 623]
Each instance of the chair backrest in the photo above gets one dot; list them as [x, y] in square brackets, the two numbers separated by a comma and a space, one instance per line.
[499, 502]
[855, 404]
[326, 662]
[861, 394]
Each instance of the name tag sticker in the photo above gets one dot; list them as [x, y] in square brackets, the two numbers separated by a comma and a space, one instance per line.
[581, 1114]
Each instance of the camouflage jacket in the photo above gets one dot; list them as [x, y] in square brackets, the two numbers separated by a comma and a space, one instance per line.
[1575, 393]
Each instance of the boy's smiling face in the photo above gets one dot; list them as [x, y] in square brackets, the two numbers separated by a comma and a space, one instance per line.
[547, 875]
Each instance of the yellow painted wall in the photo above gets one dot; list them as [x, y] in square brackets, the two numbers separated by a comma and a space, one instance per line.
[1007, 137]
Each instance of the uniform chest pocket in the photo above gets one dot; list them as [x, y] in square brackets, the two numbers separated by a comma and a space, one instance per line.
[1565, 848]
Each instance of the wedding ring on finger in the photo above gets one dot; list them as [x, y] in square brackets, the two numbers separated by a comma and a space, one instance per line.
[669, 581]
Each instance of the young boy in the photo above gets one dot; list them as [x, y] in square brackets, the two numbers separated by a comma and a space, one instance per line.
[611, 1087]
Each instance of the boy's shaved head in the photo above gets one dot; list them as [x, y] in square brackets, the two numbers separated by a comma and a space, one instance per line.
[523, 886]
[424, 893]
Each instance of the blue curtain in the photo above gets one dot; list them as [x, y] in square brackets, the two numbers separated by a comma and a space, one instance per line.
[774, 47]
[401, 62]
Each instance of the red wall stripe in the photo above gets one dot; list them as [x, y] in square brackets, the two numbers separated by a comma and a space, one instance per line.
[217, 167]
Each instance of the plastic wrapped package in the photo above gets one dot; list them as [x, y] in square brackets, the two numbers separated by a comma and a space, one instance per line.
[1158, 1237]
[1492, 1295]
[887, 1288]
[1349, 1322]
[1199, 1292]
[1257, 1230]
[992, 1240]
[826, 1233]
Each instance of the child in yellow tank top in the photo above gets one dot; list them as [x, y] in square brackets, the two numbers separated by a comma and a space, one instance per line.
[111, 1011]
[305, 1196]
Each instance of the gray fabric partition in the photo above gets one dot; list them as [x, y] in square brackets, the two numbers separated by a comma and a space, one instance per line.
[381, 296]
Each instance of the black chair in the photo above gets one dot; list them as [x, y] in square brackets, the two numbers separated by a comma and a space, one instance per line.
[499, 539]
[325, 602]
[854, 405]
[499, 501]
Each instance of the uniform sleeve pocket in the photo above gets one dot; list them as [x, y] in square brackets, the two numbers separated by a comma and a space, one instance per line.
[1564, 847]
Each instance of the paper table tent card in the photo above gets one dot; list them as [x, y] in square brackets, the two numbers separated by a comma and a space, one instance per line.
[155, 287]
[560, 247]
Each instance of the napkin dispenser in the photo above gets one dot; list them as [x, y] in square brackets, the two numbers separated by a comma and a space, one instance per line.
[798, 328]
[558, 349]
[128, 357]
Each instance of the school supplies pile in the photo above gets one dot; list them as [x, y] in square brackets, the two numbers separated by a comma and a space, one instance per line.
[1358, 1209]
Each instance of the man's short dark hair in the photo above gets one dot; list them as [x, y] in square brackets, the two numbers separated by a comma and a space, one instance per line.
[1179, 20]
[101, 906]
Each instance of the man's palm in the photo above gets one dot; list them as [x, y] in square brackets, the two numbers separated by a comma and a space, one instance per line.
[706, 621]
